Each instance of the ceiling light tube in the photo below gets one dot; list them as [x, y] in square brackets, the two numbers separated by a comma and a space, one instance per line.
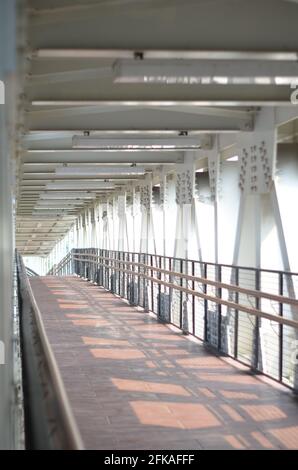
[43, 203]
[77, 185]
[60, 53]
[96, 170]
[50, 211]
[56, 208]
[179, 143]
[202, 72]
[67, 195]
[234, 158]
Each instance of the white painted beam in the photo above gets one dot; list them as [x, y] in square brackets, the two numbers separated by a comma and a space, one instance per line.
[197, 25]
[69, 76]
[77, 156]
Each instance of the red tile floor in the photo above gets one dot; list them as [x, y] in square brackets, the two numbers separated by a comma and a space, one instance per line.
[134, 383]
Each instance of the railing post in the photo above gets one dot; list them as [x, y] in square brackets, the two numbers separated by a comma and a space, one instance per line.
[131, 278]
[112, 275]
[106, 272]
[185, 325]
[115, 265]
[159, 289]
[134, 290]
[110, 269]
[205, 305]
[96, 259]
[119, 273]
[139, 279]
[236, 324]
[181, 297]
[146, 293]
[280, 365]
[94, 265]
[257, 324]
[170, 292]
[219, 293]
[152, 284]
[193, 300]
[126, 267]
[101, 268]
[123, 275]
[110, 261]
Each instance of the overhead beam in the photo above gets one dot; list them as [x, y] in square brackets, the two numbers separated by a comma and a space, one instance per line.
[29, 241]
[76, 156]
[37, 244]
[35, 135]
[22, 233]
[69, 76]
[232, 25]
[156, 115]
[52, 176]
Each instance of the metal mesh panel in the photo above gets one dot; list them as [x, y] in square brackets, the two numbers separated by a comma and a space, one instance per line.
[199, 303]
[176, 295]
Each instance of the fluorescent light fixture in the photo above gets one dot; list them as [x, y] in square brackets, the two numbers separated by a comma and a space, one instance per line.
[80, 185]
[235, 158]
[189, 72]
[45, 210]
[44, 215]
[58, 203]
[100, 170]
[159, 104]
[178, 143]
[67, 195]
[164, 54]
[59, 133]
[56, 207]
[201, 170]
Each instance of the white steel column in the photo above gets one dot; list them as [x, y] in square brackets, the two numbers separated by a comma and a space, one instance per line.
[257, 167]
[147, 244]
[8, 78]
[185, 181]
[164, 203]
[214, 175]
[122, 224]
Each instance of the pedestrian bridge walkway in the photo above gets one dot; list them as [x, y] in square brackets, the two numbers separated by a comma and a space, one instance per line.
[135, 383]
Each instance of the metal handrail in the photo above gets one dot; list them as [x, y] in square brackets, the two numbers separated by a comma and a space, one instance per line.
[210, 263]
[201, 280]
[63, 431]
[30, 272]
[244, 308]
